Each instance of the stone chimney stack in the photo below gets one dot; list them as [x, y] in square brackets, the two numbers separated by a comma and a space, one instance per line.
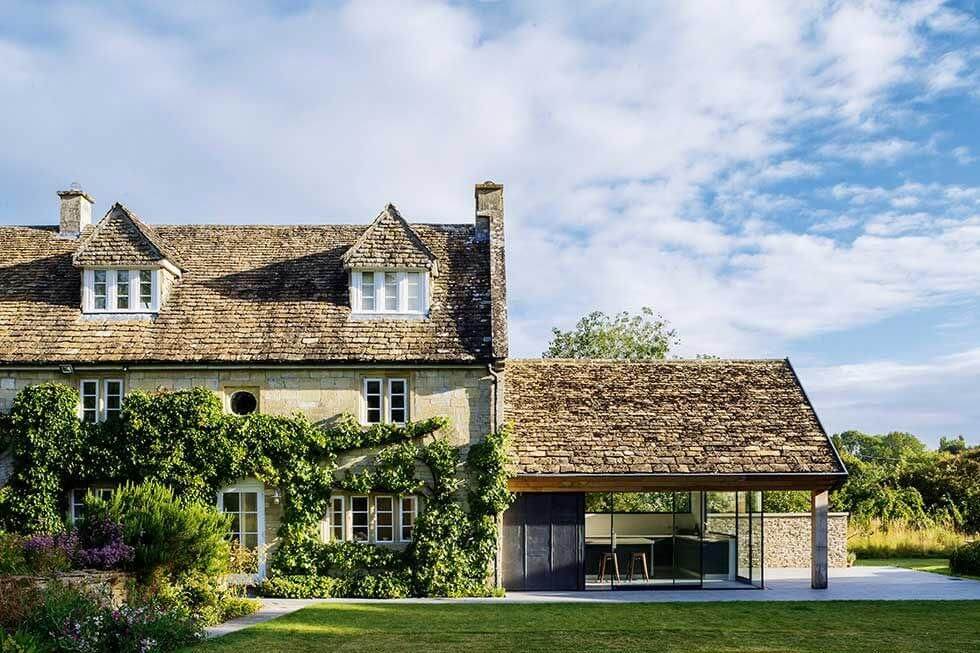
[490, 227]
[76, 211]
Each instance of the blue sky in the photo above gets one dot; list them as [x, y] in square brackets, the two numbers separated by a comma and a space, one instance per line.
[777, 179]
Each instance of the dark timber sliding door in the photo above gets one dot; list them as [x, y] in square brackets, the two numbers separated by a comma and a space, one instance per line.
[543, 542]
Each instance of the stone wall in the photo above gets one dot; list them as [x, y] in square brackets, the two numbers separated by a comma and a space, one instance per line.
[787, 537]
[109, 587]
[463, 394]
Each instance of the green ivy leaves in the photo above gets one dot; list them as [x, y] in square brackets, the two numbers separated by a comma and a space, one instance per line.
[184, 440]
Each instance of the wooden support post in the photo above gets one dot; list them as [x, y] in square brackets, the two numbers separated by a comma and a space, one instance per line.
[819, 501]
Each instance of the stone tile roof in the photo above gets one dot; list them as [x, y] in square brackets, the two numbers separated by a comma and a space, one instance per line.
[249, 294]
[389, 242]
[666, 417]
[121, 238]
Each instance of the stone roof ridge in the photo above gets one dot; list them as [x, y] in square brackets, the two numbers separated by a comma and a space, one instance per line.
[389, 241]
[652, 361]
[120, 224]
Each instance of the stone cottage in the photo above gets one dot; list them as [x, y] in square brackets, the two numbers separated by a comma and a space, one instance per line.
[626, 474]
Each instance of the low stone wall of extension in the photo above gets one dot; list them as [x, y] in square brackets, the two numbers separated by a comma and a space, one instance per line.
[787, 537]
[109, 587]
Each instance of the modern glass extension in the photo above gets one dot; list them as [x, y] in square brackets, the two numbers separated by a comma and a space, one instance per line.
[674, 540]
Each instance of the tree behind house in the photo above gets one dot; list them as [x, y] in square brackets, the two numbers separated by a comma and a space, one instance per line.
[646, 336]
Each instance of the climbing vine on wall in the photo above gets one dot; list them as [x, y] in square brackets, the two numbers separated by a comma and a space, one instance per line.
[184, 439]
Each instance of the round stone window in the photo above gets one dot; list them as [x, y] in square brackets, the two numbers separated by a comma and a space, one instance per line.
[243, 403]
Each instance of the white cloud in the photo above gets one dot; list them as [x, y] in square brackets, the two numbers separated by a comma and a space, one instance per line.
[835, 223]
[963, 155]
[640, 144]
[869, 152]
[931, 398]
[789, 169]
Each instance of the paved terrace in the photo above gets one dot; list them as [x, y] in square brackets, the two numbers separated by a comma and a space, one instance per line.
[853, 584]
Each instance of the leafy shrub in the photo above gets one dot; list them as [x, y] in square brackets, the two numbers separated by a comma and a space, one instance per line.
[876, 539]
[21, 642]
[786, 501]
[298, 587]
[12, 560]
[17, 599]
[309, 556]
[381, 585]
[67, 619]
[47, 554]
[203, 596]
[101, 545]
[170, 537]
[243, 560]
[309, 569]
[965, 559]
[97, 545]
[233, 607]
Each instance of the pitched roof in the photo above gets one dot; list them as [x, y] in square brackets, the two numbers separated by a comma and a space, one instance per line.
[249, 294]
[664, 417]
[121, 238]
[389, 242]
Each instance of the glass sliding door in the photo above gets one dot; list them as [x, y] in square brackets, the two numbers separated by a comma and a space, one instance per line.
[687, 540]
[757, 539]
[657, 540]
[750, 537]
[642, 540]
[601, 562]
[720, 542]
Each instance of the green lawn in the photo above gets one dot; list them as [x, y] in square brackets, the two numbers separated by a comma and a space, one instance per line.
[742, 626]
[935, 565]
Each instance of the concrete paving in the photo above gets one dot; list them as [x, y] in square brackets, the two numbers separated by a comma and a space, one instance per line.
[271, 609]
[853, 584]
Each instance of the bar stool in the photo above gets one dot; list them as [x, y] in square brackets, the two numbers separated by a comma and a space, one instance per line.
[602, 565]
[642, 559]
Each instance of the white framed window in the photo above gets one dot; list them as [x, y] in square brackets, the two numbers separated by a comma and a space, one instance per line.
[337, 519]
[100, 289]
[245, 503]
[89, 391]
[397, 401]
[76, 502]
[408, 508]
[100, 399]
[392, 292]
[384, 519]
[360, 522]
[385, 402]
[146, 289]
[120, 290]
[113, 396]
[243, 506]
[367, 287]
[373, 399]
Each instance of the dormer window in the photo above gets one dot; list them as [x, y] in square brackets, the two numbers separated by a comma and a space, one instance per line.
[120, 291]
[389, 292]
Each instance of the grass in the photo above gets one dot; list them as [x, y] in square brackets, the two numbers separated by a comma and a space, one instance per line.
[933, 565]
[906, 626]
[875, 539]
